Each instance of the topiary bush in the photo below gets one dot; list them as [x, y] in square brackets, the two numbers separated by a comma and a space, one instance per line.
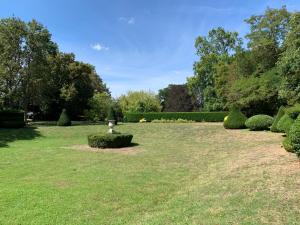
[64, 119]
[293, 111]
[294, 136]
[107, 140]
[259, 122]
[287, 144]
[280, 114]
[284, 124]
[235, 119]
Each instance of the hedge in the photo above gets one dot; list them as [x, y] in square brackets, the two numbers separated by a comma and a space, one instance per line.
[195, 116]
[294, 136]
[11, 119]
[106, 140]
[285, 123]
[280, 114]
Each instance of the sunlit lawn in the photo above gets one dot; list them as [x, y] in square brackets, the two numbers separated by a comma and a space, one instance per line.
[196, 173]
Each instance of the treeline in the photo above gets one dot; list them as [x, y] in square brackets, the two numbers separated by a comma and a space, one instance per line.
[258, 77]
[36, 76]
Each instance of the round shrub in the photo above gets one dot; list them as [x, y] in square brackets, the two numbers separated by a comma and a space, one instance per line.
[294, 136]
[64, 119]
[280, 114]
[259, 122]
[235, 119]
[287, 144]
[285, 123]
[107, 140]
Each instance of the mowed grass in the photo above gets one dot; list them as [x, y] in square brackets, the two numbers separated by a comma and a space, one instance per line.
[196, 173]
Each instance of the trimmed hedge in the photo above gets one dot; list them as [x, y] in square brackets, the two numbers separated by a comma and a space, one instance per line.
[293, 111]
[195, 116]
[64, 119]
[285, 123]
[259, 122]
[106, 140]
[280, 114]
[235, 119]
[294, 136]
[287, 144]
[11, 119]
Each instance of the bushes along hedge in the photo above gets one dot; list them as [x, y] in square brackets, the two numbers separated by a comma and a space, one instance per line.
[195, 116]
[285, 123]
[280, 114]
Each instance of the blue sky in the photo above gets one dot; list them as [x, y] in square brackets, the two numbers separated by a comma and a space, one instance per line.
[137, 44]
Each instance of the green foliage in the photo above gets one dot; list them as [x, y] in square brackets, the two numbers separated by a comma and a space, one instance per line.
[259, 122]
[285, 123]
[111, 115]
[106, 140]
[235, 119]
[293, 111]
[98, 107]
[64, 119]
[280, 114]
[11, 119]
[294, 136]
[194, 116]
[139, 101]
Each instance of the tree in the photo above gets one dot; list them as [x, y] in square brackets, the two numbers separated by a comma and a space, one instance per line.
[175, 98]
[289, 63]
[139, 101]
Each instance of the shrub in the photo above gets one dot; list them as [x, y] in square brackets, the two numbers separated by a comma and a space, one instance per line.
[293, 111]
[235, 120]
[294, 136]
[106, 140]
[285, 123]
[11, 119]
[259, 122]
[195, 116]
[64, 119]
[280, 114]
[287, 144]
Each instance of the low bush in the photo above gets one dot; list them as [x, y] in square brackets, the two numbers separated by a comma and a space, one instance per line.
[259, 122]
[294, 136]
[106, 140]
[287, 144]
[64, 119]
[280, 114]
[173, 121]
[284, 124]
[195, 116]
[11, 119]
[235, 119]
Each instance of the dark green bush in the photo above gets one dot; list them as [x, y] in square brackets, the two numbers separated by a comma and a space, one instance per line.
[11, 119]
[235, 119]
[259, 122]
[64, 119]
[285, 123]
[293, 111]
[195, 116]
[294, 136]
[106, 140]
[280, 114]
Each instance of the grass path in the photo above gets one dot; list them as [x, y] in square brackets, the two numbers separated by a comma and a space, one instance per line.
[177, 174]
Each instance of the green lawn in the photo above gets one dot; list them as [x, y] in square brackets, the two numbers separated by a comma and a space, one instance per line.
[196, 173]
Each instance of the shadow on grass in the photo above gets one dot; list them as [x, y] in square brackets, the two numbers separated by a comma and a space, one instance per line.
[11, 135]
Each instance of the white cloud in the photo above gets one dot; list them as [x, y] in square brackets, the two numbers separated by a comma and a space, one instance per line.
[128, 20]
[99, 47]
